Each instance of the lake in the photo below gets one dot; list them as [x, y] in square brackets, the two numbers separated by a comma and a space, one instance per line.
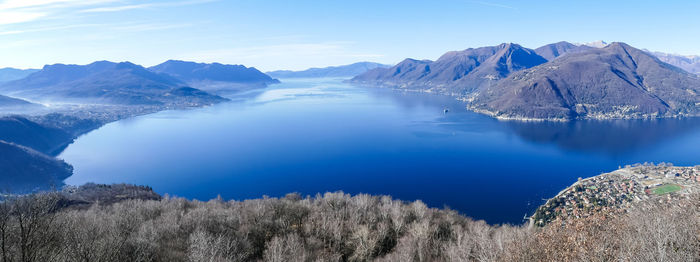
[319, 135]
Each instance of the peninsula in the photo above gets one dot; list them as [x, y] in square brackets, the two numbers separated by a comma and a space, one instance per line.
[620, 190]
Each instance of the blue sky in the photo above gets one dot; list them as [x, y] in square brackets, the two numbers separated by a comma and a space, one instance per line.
[297, 34]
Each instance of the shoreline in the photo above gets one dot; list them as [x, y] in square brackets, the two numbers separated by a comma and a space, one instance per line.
[61, 127]
[618, 190]
[624, 172]
[502, 117]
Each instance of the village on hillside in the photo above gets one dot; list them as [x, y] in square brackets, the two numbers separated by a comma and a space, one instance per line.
[618, 191]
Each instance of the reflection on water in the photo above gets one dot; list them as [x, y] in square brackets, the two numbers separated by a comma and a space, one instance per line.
[318, 135]
[614, 137]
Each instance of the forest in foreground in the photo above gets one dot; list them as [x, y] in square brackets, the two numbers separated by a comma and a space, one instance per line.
[129, 223]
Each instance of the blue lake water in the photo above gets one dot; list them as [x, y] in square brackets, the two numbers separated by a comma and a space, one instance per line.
[319, 135]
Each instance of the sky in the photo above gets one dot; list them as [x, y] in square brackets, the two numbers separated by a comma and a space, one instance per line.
[298, 34]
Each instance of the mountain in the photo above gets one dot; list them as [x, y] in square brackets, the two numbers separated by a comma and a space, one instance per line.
[687, 63]
[456, 72]
[579, 81]
[596, 44]
[9, 74]
[331, 71]
[22, 131]
[203, 75]
[100, 82]
[24, 169]
[509, 58]
[555, 50]
[6, 101]
[617, 81]
[403, 74]
[11, 106]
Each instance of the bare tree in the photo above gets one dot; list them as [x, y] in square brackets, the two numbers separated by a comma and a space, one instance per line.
[5, 223]
[289, 248]
[35, 217]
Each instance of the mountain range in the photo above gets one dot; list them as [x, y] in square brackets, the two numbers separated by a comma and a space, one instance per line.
[103, 82]
[559, 81]
[9, 74]
[214, 76]
[456, 72]
[687, 63]
[331, 71]
[110, 91]
[617, 81]
[555, 50]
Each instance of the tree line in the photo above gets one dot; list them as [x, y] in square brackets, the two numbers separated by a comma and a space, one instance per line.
[328, 227]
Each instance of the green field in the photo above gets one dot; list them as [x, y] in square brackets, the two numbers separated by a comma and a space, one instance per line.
[665, 189]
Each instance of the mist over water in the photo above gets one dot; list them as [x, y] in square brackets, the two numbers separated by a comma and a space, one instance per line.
[316, 135]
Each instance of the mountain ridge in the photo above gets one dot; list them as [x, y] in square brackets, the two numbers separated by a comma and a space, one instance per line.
[9, 74]
[25, 169]
[617, 81]
[99, 82]
[22, 131]
[552, 51]
[559, 81]
[6, 101]
[455, 72]
[330, 71]
[214, 77]
[187, 70]
[690, 63]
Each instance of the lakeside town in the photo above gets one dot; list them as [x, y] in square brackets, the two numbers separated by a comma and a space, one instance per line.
[618, 191]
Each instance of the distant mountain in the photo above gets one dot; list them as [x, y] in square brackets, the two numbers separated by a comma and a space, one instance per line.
[24, 169]
[331, 71]
[100, 82]
[555, 50]
[403, 74]
[6, 101]
[617, 81]
[12, 106]
[687, 63]
[203, 75]
[456, 72]
[9, 74]
[596, 44]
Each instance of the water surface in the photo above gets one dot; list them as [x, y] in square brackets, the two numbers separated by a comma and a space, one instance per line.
[318, 135]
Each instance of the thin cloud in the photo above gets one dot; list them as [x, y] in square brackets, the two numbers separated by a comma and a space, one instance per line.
[22, 43]
[12, 32]
[16, 17]
[150, 27]
[47, 28]
[115, 8]
[23, 11]
[47, 5]
[120, 8]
